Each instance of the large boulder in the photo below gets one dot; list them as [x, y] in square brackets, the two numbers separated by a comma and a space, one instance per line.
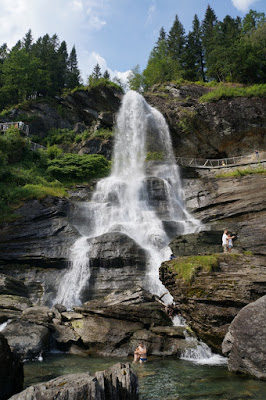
[26, 339]
[116, 383]
[117, 262]
[245, 342]
[218, 287]
[11, 371]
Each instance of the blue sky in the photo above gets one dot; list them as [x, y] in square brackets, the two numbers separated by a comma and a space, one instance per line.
[118, 34]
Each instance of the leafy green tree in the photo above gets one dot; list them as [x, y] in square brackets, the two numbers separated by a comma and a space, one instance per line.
[136, 80]
[161, 66]
[22, 75]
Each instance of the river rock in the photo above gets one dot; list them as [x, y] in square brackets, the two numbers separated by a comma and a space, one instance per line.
[116, 263]
[26, 339]
[245, 342]
[211, 300]
[11, 371]
[64, 336]
[116, 383]
[104, 336]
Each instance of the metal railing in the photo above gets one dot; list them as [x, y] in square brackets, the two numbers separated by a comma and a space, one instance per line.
[221, 162]
[4, 126]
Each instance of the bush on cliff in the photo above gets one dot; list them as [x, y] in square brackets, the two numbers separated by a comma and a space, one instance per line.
[76, 167]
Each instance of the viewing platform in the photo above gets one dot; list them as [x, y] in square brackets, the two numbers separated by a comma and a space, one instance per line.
[4, 126]
[202, 163]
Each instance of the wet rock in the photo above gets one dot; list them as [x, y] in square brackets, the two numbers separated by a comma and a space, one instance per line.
[12, 286]
[116, 383]
[26, 339]
[210, 301]
[11, 371]
[64, 336]
[116, 263]
[245, 342]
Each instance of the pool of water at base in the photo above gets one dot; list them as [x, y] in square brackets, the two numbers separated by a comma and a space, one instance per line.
[159, 379]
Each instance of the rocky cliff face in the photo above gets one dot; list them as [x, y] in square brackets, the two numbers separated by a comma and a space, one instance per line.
[210, 130]
[79, 111]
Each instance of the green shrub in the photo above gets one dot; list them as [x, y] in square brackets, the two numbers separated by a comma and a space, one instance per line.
[60, 136]
[223, 92]
[154, 156]
[102, 133]
[76, 167]
[12, 145]
[78, 138]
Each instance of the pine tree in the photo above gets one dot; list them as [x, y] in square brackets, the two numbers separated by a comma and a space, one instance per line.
[208, 35]
[97, 72]
[193, 54]
[106, 75]
[176, 40]
[27, 41]
[73, 76]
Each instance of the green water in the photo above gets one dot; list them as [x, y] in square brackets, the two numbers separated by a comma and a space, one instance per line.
[159, 379]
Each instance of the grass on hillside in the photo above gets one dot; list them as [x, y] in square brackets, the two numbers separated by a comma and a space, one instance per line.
[223, 92]
[242, 172]
[187, 267]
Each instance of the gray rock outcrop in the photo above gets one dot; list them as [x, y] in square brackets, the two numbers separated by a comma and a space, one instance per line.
[117, 262]
[210, 301]
[26, 339]
[216, 129]
[245, 342]
[11, 371]
[116, 383]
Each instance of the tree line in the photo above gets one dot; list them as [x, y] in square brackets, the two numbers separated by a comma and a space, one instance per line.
[230, 50]
[32, 69]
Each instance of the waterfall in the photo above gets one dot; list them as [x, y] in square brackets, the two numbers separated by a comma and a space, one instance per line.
[121, 201]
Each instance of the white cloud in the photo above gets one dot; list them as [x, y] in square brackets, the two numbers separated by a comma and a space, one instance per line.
[243, 5]
[151, 12]
[88, 62]
[70, 19]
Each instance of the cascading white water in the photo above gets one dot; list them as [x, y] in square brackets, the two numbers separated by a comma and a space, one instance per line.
[121, 200]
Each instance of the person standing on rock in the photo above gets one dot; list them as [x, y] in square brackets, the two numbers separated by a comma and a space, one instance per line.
[230, 242]
[224, 241]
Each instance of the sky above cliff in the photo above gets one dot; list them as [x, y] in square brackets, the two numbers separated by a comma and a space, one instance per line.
[117, 34]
